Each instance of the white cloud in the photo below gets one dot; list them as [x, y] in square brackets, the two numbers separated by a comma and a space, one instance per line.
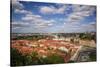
[46, 9]
[80, 12]
[90, 26]
[52, 9]
[22, 11]
[42, 23]
[18, 7]
[16, 4]
[37, 21]
[30, 17]
[78, 8]
[61, 9]
[19, 24]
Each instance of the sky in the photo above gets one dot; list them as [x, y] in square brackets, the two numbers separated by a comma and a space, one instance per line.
[40, 17]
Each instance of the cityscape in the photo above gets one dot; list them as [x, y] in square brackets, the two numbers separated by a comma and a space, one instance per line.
[52, 33]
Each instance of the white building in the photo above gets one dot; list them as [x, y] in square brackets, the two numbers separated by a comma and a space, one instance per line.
[63, 49]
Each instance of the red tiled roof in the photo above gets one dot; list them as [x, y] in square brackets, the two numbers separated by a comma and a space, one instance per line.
[47, 43]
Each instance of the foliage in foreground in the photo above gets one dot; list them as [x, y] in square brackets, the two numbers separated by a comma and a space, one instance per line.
[17, 59]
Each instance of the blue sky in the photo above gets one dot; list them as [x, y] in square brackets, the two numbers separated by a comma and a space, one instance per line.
[39, 17]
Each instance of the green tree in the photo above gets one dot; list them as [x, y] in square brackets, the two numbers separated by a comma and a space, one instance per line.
[16, 58]
[53, 59]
